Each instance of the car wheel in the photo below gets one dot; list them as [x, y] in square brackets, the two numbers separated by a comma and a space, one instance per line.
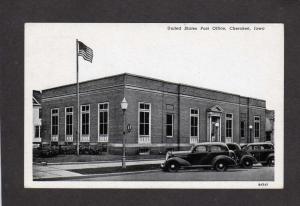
[247, 163]
[220, 166]
[271, 162]
[173, 167]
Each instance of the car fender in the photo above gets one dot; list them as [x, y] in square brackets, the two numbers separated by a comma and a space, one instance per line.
[248, 157]
[269, 156]
[180, 161]
[226, 159]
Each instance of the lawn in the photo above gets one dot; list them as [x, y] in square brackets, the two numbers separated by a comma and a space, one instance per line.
[105, 170]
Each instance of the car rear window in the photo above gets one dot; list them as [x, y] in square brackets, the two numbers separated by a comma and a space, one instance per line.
[254, 147]
[267, 146]
[217, 148]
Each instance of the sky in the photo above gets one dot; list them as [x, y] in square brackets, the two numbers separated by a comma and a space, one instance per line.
[248, 63]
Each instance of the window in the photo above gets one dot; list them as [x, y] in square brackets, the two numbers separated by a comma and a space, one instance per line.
[54, 122]
[228, 120]
[216, 148]
[37, 131]
[103, 109]
[169, 125]
[254, 147]
[69, 121]
[267, 146]
[200, 148]
[242, 128]
[256, 126]
[85, 120]
[144, 119]
[40, 113]
[194, 122]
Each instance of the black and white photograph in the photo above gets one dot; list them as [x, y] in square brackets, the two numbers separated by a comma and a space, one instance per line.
[154, 105]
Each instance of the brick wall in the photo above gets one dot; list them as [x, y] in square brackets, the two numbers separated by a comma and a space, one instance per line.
[163, 97]
[113, 97]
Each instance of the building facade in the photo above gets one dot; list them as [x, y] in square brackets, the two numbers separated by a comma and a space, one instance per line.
[163, 115]
[270, 122]
[37, 122]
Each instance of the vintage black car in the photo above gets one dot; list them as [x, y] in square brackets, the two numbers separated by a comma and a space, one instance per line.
[262, 151]
[242, 157]
[206, 155]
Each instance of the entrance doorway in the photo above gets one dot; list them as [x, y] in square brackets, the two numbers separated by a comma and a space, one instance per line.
[214, 123]
[215, 129]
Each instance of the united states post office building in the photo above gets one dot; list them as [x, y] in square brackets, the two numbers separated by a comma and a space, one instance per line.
[163, 115]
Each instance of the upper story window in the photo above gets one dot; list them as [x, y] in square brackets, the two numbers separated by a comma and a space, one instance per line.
[194, 118]
[256, 126]
[69, 121]
[228, 120]
[54, 122]
[103, 109]
[85, 120]
[144, 119]
[169, 125]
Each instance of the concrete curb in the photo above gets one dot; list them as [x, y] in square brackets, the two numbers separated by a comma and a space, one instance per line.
[94, 162]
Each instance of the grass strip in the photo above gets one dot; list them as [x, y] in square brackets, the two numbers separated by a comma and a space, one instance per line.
[104, 170]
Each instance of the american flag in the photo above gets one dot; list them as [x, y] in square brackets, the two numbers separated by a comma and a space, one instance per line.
[85, 51]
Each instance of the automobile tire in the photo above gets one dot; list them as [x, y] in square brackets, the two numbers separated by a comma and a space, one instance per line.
[220, 166]
[173, 166]
[271, 162]
[247, 163]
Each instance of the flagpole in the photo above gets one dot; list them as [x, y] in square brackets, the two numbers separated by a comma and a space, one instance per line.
[78, 106]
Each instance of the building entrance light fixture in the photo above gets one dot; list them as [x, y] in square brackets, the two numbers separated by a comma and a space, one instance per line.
[124, 105]
[250, 128]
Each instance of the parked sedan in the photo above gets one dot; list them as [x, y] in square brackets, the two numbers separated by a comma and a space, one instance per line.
[205, 155]
[262, 151]
[242, 157]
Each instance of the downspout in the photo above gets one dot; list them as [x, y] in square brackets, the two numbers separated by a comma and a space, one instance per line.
[178, 126]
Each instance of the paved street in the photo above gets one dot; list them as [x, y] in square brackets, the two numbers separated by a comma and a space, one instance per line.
[257, 173]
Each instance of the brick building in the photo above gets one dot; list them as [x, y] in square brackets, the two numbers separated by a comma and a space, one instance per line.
[37, 122]
[163, 115]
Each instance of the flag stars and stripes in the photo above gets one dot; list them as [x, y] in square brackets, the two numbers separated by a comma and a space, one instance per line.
[85, 52]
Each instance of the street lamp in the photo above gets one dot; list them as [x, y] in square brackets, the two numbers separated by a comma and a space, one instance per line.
[250, 128]
[124, 106]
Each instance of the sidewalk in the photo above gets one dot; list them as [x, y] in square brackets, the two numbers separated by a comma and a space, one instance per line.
[61, 170]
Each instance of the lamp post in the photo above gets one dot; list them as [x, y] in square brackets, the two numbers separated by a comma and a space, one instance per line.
[124, 106]
[250, 129]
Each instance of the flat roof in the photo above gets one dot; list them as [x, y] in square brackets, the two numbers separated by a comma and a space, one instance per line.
[154, 79]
